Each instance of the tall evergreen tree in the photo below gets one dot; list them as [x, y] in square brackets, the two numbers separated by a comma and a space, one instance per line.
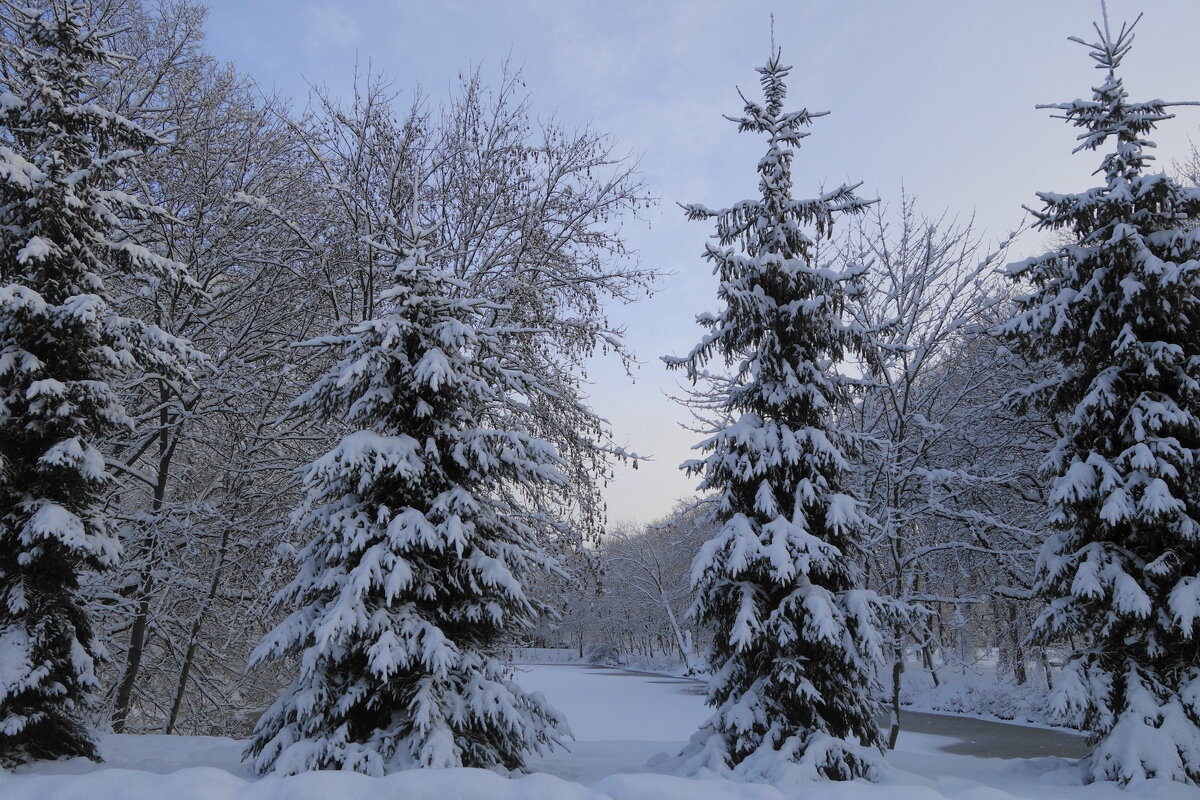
[1118, 314]
[795, 636]
[421, 545]
[60, 344]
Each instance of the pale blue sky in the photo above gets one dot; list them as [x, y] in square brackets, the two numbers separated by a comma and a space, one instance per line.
[936, 94]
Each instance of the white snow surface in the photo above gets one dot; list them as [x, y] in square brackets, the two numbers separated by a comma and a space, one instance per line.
[620, 720]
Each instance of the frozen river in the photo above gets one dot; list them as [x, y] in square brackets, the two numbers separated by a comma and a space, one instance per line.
[622, 718]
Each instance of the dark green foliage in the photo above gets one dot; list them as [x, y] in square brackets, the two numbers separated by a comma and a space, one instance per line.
[59, 344]
[795, 639]
[1116, 315]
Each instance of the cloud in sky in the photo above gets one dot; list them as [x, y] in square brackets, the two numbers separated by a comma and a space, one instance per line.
[328, 27]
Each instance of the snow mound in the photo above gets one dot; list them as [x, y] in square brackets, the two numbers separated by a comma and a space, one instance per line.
[954, 778]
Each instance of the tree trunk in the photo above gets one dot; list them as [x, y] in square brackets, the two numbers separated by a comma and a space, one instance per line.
[1046, 668]
[137, 632]
[683, 642]
[133, 659]
[1014, 643]
[198, 625]
[927, 657]
[897, 671]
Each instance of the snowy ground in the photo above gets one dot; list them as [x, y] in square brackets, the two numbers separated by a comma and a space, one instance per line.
[621, 721]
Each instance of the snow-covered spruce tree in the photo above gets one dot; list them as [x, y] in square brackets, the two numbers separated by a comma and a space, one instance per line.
[796, 639]
[1119, 312]
[61, 343]
[413, 579]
